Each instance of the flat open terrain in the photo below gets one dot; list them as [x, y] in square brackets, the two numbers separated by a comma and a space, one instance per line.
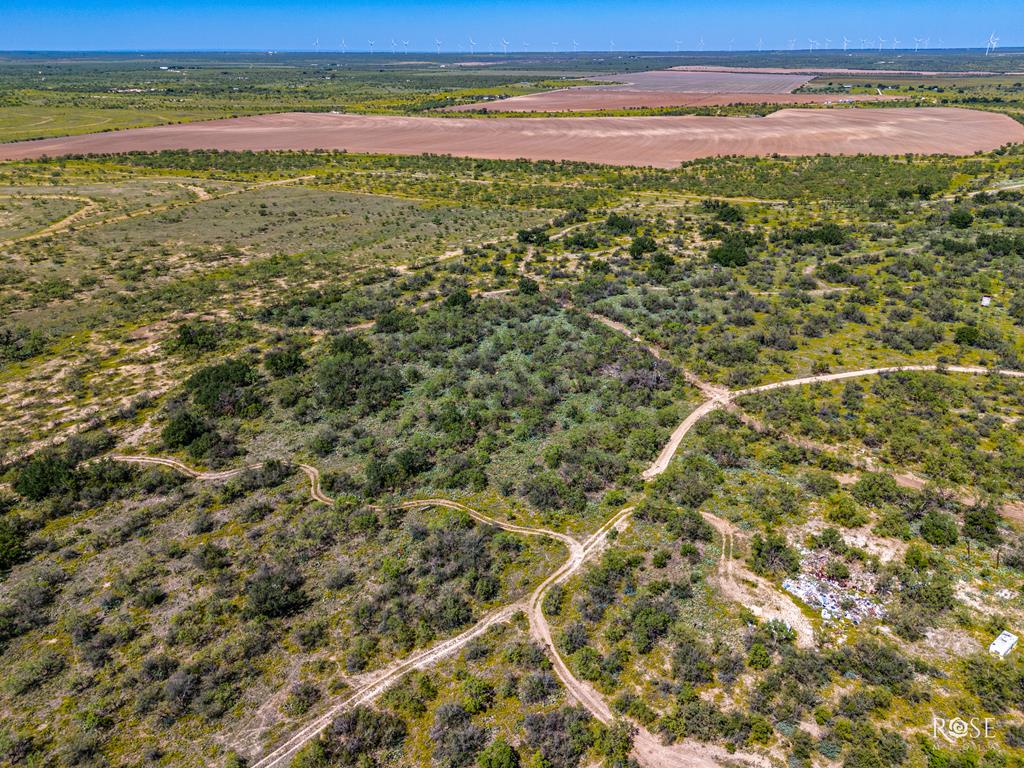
[302, 446]
[677, 81]
[656, 141]
[765, 71]
[659, 88]
[586, 99]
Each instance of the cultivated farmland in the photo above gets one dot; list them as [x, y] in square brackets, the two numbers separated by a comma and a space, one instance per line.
[657, 141]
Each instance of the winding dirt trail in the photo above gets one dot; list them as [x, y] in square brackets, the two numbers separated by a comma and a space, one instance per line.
[741, 585]
[382, 679]
[842, 375]
[201, 196]
[88, 207]
[736, 581]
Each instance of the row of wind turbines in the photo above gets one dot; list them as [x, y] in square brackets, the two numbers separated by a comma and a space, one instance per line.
[866, 44]
[473, 45]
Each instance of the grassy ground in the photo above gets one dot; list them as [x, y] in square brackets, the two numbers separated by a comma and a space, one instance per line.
[42, 121]
[343, 312]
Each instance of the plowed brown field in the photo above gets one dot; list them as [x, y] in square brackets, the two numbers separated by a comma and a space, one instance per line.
[656, 141]
[599, 98]
[658, 88]
[682, 81]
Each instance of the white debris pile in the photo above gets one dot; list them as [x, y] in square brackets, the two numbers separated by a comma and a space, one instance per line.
[836, 599]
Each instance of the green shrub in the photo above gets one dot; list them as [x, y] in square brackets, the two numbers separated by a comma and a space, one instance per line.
[498, 754]
[48, 473]
[226, 389]
[731, 252]
[939, 529]
[183, 428]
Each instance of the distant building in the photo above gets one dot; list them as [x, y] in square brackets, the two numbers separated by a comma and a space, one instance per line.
[1003, 644]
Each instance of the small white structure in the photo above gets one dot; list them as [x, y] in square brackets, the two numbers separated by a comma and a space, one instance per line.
[986, 301]
[1003, 644]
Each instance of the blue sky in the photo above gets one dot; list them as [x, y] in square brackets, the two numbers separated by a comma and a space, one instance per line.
[633, 25]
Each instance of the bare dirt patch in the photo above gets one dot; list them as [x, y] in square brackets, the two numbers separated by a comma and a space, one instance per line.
[661, 88]
[598, 98]
[831, 71]
[703, 81]
[656, 141]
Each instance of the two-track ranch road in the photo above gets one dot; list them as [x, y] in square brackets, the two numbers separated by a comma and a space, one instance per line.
[648, 748]
[656, 141]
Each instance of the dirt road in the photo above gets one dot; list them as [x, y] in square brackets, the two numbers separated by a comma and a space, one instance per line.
[736, 581]
[741, 585]
[381, 680]
[842, 375]
[89, 206]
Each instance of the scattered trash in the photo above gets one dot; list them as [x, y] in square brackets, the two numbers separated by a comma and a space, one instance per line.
[834, 601]
[837, 600]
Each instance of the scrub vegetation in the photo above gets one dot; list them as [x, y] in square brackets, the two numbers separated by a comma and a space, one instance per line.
[293, 441]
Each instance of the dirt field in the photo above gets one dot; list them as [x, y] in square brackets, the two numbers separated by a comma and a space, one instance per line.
[680, 81]
[657, 141]
[595, 98]
[828, 71]
[661, 88]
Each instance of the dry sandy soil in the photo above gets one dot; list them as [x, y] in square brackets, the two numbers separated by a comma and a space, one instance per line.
[710, 81]
[655, 141]
[662, 88]
[598, 97]
[811, 71]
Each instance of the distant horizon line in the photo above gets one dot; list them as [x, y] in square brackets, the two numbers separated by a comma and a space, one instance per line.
[1003, 50]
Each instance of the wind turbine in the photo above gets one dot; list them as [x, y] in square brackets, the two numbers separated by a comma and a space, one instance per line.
[846, 43]
[371, 42]
[881, 42]
[678, 43]
[554, 46]
[392, 46]
[437, 44]
[504, 45]
[316, 45]
[526, 46]
[611, 46]
[731, 41]
[792, 43]
[828, 43]
[701, 46]
[760, 44]
[472, 46]
[993, 43]
[405, 46]
[811, 44]
[343, 46]
[895, 42]
[865, 43]
[575, 46]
